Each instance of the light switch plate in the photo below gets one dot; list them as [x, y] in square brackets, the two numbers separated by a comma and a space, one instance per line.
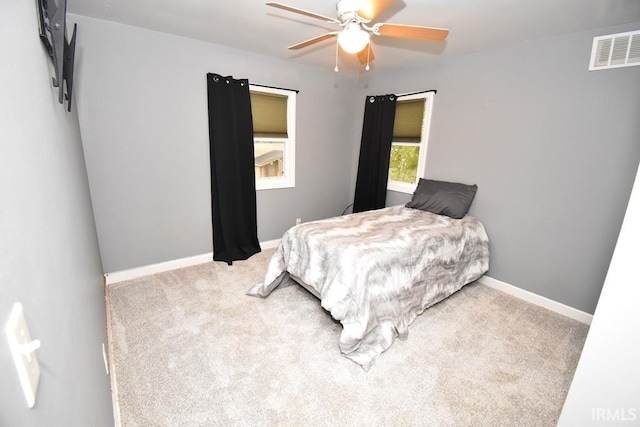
[23, 351]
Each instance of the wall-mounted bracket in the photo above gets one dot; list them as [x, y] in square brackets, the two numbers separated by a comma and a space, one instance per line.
[52, 19]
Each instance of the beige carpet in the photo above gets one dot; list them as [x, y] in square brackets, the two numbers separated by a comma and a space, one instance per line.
[191, 349]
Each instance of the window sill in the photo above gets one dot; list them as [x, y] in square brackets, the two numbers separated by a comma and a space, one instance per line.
[274, 185]
[401, 187]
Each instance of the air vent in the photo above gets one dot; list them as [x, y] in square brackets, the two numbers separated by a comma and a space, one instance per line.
[615, 50]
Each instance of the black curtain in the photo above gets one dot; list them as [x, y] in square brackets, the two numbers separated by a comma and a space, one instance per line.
[233, 184]
[375, 149]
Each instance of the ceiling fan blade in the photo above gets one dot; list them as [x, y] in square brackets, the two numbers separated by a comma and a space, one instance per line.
[313, 40]
[302, 12]
[365, 56]
[369, 9]
[411, 32]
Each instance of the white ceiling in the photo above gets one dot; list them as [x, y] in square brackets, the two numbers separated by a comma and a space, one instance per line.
[474, 25]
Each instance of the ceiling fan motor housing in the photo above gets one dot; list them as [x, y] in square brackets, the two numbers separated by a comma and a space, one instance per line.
[348, 11]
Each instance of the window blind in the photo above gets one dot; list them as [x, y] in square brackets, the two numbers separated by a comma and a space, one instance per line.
[407, 126]
[269, 115]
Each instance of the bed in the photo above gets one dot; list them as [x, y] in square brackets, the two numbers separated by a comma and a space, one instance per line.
[376, 271]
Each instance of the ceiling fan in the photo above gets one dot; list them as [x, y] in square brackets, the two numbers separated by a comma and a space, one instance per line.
[355, 16]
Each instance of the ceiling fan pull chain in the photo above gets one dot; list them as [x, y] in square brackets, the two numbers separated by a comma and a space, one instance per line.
[336, 69]
[368, 54]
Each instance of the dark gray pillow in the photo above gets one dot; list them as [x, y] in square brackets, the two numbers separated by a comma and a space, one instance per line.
[443, 198]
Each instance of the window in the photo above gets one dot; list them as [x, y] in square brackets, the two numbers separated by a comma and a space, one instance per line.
[409, 145]
[273, 112]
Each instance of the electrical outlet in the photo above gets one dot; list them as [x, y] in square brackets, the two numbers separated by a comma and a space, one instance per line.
[298, 221]
[23, 351]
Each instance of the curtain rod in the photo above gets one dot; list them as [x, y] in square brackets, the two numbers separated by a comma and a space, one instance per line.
[274, 87]
[420, 91]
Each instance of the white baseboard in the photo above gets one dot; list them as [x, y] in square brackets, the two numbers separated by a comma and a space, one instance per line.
[536, 299]
[112, 364]
[147, 270]
[134, 273]
[270, 244]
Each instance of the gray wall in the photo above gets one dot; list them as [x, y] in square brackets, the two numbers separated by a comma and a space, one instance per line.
[553, 148]
[48, 246]
[143, 114]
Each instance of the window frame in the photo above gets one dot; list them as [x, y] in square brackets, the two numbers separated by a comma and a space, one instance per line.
[406, 187]
[289, 152]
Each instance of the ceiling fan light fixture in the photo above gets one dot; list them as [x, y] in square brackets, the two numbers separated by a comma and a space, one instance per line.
[353, 38]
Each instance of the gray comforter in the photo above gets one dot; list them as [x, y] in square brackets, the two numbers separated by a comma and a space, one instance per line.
[376, 271]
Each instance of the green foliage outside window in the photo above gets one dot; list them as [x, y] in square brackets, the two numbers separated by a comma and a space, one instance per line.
[403, 165]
